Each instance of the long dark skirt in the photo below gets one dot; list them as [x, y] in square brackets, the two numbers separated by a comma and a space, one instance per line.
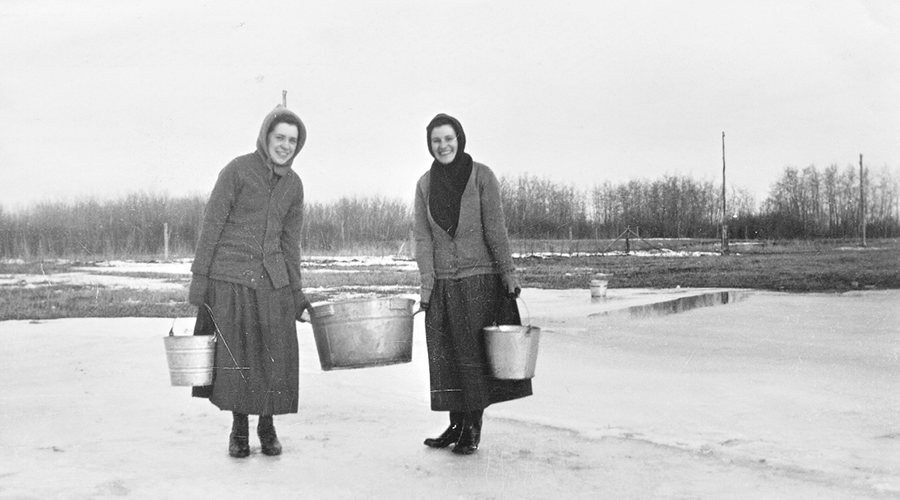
[461, 379]
[257, 358]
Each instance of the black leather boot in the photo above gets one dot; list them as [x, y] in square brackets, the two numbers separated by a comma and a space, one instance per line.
[451, 435]
[267, 437]
[238, 442]
[471, 434]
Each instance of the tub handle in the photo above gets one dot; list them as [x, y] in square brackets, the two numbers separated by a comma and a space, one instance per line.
[323, 311]
[401, 305]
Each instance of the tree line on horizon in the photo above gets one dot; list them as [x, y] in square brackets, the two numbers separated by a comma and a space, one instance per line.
[802, 203]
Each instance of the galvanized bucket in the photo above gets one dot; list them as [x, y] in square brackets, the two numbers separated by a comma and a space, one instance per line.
[363, 333]
[191, 359]
[599, 285]
[512, 350]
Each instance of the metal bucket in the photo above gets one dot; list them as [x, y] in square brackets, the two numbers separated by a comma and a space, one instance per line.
[598, 288]
[363, 333]
[191, 359]
[512, 350]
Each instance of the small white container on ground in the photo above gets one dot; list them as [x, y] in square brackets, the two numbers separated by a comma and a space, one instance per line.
[599, 285]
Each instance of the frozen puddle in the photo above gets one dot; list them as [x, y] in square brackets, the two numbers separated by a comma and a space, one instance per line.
[672, 305]
[623, 302]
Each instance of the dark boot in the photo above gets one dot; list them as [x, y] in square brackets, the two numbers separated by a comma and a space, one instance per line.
[451, 435]
[471, 433]
[267, 437]
[239, 443]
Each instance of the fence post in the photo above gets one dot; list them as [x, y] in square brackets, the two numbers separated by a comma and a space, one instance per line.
[166, 241]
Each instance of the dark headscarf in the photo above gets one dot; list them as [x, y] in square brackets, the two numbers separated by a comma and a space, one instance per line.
[448, 181]
[279, 115]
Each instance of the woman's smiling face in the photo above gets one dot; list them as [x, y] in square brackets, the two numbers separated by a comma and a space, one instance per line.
[443, 143]
[282, 143]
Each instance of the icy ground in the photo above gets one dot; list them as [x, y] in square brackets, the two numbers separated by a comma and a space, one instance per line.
[776, 396]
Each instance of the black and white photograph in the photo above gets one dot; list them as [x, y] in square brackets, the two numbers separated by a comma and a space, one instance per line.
[470, 250]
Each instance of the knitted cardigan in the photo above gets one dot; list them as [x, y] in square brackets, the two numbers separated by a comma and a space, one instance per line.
[481, 244]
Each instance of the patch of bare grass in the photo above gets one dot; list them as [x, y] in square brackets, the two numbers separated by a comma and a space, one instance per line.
[362, 277]
[74, 301]
[794, 267]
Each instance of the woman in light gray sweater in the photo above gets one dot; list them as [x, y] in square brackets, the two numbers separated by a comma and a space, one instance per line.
[468, 282]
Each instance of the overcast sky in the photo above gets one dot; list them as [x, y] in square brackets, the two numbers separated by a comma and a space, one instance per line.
[109, 97]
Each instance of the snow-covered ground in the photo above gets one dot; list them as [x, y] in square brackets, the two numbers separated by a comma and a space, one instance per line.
[778, 396]
[109, 274]
[172, 275]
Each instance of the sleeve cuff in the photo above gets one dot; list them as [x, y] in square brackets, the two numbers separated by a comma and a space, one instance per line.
[425, 295]
[301, 303]
[510, 280]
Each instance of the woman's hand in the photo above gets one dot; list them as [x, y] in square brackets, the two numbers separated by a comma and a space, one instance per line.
[302, 307]
[423, 307]
[512, 286]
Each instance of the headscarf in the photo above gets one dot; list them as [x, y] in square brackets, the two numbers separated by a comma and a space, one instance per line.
[262, 142]
[448, 181]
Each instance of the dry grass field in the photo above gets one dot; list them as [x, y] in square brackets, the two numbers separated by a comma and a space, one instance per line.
[793, 266]
[27, 292]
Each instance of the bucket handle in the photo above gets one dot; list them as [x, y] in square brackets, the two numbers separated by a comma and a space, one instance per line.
[218, 336]
[527, 312]
[215, 334]
[527, 324]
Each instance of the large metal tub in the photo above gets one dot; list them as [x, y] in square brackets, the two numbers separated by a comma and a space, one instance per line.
[363, 333]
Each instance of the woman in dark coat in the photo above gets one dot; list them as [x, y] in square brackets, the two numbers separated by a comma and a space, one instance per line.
[246, 282]
[468, 282]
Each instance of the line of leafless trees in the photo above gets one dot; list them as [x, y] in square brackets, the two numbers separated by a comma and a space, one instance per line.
[809, 203]
[136, 224]
[357, 222]
[129, 226]
[671, 207]
[803, 203]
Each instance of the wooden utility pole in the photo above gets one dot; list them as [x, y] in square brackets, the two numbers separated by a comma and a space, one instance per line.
[724, 213]
[862, 201]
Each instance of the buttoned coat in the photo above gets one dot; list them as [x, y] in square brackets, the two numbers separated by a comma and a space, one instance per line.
[246, 280]
[251, 227]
